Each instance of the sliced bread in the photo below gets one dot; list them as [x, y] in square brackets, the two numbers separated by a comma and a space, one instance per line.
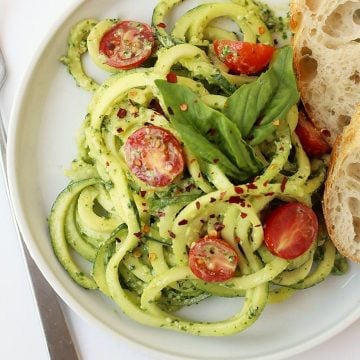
[327, 60]
[342, 191]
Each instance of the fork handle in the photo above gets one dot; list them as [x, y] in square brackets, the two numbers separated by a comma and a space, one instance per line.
[58, 339]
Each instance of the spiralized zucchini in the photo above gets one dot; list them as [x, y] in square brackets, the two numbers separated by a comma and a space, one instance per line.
[137, 237]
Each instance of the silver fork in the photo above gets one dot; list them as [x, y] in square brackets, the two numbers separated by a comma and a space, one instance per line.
[59, 342]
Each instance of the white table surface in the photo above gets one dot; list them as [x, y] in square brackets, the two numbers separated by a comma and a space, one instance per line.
[23, 24]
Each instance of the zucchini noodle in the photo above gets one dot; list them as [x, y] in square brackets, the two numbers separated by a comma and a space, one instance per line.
[137, 237]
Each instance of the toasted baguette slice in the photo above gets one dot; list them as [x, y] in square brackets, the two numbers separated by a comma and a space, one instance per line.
[326, 45]
[342, 191]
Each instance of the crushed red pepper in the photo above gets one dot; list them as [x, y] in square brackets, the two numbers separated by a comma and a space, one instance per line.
[235, 200]
[171, 77]
[121, 113]
[251, 186]
[283, 184]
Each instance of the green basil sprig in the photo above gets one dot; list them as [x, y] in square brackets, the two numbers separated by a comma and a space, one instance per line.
[208, 133]
[255, 106]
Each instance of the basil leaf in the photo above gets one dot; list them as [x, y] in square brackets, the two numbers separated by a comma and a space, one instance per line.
[262, 133]
[268, 98]
[286, 94]
[245, 105]
[205, 150]
[207, 132]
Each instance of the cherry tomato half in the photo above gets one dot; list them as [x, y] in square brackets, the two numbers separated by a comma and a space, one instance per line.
[290, 230]
[243, 57]
[154, 155]
[311, 138]
[213, 259]
[127, 44]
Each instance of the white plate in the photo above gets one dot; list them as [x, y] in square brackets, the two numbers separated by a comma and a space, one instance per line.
[42, 144]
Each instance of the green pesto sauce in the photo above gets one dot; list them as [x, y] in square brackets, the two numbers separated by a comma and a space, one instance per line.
[276, 24]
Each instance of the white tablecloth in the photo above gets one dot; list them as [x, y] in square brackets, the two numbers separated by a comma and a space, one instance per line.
[23, 25]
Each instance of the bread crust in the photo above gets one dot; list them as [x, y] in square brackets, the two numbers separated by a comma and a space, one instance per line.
[337, 185]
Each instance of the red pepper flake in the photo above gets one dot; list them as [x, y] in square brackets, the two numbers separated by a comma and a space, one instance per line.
[222, 195]
[235, 200]
[171, 77]
[248, 205]
[269, 194]
[143, 204]
[218, 226]
[182, 222]
[261, 30]
[118, 240]
[197, 204]
[243, 215]
[237, 239]
[239, 190]
[121, 113]
[202, 221]
[171, 234]
[183, 107]
[142, 193]
[161, 25]
[215, 161]
[258, 225]
[138, 234]
[161, 214]
[283, 184]
[251, 186]
[212, 200]
[212, 216]
[107, 163]
[325, 132]
[266, 183]
[119, 130]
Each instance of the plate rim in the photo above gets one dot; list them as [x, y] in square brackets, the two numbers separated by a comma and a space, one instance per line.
[55, 283]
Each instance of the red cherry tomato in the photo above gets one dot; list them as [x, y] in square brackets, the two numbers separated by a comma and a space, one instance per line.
[311, 138]
[243, 57]
[213, 259]
[154, 155]
[127, 44]
[290, 230]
